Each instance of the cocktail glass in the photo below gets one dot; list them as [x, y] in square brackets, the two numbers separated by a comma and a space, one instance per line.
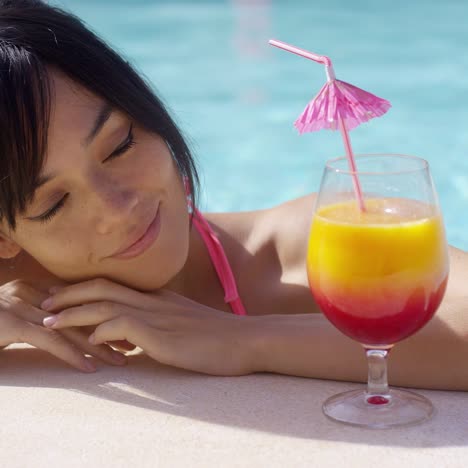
[378, 273]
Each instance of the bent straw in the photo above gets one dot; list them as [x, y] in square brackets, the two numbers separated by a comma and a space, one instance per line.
[344, 132]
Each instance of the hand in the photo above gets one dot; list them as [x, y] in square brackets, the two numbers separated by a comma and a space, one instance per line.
[21, 322]
[170, 328]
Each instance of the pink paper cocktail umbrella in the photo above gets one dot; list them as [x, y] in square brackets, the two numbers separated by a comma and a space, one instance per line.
[338, 105]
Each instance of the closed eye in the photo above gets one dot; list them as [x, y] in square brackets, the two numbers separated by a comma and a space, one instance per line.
[120, 150]
[50, 213]
[124, 147]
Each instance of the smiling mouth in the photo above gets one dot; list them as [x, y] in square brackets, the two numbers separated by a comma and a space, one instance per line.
[144, 242]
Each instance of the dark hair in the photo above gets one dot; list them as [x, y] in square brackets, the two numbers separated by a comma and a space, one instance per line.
[33, 36]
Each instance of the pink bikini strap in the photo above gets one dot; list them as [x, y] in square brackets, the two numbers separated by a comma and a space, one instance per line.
[220, 262]
[219, 259]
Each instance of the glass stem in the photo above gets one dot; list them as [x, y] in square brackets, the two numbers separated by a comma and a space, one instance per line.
[377, 383]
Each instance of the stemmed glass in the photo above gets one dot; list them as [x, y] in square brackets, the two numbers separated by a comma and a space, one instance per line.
[378, 274]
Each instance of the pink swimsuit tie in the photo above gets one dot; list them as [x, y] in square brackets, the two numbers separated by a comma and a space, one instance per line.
[220, 262]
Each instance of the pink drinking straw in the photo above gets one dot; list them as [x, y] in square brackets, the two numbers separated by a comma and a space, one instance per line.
[337, 101]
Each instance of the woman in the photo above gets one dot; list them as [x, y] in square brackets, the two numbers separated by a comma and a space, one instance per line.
[98, 202]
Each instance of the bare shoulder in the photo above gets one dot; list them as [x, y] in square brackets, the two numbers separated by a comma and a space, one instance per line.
[283, 228]
[458, 273]
[267, 251]
[292, 223]
[244, 234]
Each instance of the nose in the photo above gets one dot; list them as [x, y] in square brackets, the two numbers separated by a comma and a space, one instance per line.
[115, 205]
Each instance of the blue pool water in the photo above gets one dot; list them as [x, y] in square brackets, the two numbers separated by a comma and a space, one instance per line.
[236, 97]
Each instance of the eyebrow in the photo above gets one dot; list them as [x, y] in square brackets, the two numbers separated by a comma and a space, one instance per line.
[103, 116]
[105, 111]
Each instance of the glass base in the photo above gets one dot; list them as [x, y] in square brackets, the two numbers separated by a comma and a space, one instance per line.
[398, 408]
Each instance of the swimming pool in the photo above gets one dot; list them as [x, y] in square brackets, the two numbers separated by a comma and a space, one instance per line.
[236, 98]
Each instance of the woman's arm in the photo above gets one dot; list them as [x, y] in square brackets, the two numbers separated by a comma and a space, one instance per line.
[304, 345]
[177, 331]
[308, 345]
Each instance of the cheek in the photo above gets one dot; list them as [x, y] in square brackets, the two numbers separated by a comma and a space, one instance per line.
[170, 254]
[155, 157]
[60, 251]
[157, 267]
[173, 251]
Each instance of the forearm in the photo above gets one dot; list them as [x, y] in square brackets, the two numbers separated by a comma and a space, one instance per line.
[435, 357]
[308, 345]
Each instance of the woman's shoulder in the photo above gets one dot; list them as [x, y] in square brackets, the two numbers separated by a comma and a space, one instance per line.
[267, 252]
[458, 260]
[290, 223]
[272, 240]
[279, 224]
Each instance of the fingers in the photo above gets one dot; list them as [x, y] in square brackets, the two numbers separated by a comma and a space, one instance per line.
[22, 290]
[125, 328]
[103, 352]
[97, 290]
[54, 343]
[30, 314]
[78, 337]
[122, 345]
[73, 342]
[89, 314]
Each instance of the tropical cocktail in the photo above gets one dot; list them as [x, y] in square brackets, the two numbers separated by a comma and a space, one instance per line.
[378, 271]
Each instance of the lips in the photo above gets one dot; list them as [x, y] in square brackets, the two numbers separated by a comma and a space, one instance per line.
[142, 239]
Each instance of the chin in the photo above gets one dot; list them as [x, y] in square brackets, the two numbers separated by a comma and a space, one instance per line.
[147, 282]
[154, 271]
[150, 273]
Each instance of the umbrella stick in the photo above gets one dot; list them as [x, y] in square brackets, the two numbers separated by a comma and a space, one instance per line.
[352, 163]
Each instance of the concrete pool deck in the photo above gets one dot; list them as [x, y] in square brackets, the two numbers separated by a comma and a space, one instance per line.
[150, 415]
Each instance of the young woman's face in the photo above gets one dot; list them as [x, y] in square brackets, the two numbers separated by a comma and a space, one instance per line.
[104, 191]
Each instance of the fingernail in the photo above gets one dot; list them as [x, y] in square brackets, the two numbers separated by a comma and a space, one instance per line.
[49, 321]
[54, 289]
[89, 366]
[47, 303]
[118, 357]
